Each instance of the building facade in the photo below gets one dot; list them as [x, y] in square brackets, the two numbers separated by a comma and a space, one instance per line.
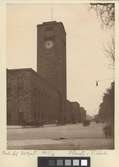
[31, 100]
[51, 54]
[37, 98]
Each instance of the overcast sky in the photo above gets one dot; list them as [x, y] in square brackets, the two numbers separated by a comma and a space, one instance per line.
[86, 60]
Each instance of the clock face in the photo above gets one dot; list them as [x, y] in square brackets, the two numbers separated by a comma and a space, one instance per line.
[49, 44]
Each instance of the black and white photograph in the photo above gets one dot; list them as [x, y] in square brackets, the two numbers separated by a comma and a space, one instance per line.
[60, 76]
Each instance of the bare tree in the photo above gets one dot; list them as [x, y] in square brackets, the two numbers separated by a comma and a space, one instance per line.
[110, 51]
[106, 12]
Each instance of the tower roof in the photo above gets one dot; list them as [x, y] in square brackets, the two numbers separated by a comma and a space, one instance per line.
[52, 23]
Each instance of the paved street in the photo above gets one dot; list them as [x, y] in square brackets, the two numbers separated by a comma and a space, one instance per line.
[73, 136]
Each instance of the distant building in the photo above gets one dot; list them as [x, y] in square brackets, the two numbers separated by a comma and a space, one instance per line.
[36, 98]
[76, 114]
[83, 114]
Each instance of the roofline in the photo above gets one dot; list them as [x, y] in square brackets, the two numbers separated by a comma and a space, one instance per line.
[47, 23]
[35, 73]
[20, 69]
[51, 23]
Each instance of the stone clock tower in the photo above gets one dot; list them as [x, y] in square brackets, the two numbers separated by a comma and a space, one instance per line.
[51, 54]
